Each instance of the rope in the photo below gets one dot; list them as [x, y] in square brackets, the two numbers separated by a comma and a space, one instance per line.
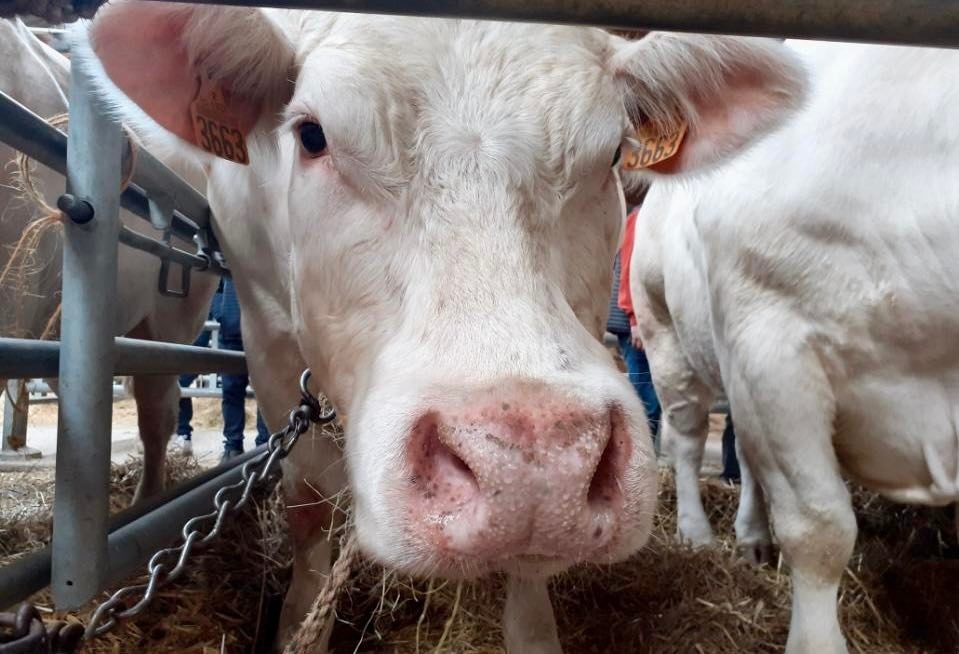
[22, 263]
[311, 629]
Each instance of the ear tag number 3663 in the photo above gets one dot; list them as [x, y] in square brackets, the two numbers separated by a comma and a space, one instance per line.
[215, 127]
[652, 148]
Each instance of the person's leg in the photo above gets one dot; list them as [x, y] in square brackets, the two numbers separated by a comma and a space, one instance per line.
[637, 366]
[234, 413]
[647, 392]
[234, 386]
[262, 433]
[731, 471]
[185, 407]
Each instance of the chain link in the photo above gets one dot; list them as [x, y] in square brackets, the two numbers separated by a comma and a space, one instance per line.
[169, 563]
[24, 632]
[29, 636]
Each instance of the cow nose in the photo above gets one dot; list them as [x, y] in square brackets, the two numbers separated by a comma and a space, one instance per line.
[529, 475]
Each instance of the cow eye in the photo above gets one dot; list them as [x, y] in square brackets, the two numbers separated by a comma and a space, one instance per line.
[617, 156]
[312, 139]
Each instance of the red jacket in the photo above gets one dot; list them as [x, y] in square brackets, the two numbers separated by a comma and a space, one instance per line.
[624, 299]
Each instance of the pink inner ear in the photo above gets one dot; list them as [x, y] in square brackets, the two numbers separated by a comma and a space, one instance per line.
[725, 124]
[139, 46]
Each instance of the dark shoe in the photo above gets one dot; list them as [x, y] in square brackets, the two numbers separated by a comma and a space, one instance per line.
[229, 454]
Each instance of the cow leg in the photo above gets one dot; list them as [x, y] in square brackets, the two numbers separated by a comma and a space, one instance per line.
[784, 421]
[686, 427]
[309, 516]
[753, 538]
[528, 622]
[157, 397]
[311, 567]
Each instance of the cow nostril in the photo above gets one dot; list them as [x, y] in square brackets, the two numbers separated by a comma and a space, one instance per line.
[604, 486]
[451, 475]
[446, 460]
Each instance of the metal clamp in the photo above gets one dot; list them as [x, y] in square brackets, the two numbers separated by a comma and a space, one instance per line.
[77, 210]
[163, 284]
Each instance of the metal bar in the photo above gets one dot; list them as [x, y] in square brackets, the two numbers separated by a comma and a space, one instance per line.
[81, 505]
[162, 250]
[120, 393]
[138, 530]
[28, 359]
[23, 130]
[908, 22]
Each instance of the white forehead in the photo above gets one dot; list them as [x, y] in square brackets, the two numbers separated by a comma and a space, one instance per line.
[443, 87]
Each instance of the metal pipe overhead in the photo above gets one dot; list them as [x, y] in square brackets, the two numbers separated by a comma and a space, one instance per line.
[135, 533]
[22, 358]
[906, 22]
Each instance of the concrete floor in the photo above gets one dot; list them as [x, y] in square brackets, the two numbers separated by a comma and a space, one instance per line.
[207, 433]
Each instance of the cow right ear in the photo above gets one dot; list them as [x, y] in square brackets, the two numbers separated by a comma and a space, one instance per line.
[207, 75]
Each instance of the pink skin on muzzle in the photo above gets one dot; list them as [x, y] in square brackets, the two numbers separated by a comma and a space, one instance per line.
[520, 473]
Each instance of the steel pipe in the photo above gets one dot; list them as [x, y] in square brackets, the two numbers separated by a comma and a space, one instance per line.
[22, 358]
[120, 393]
[134, 532]
[81, 505]
[162, 250]
[907, 22]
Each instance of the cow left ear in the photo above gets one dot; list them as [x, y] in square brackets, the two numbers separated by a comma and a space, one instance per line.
[697, 100]
[204, 75]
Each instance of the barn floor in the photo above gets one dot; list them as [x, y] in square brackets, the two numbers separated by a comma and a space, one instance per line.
[207, 434]
[897, 596]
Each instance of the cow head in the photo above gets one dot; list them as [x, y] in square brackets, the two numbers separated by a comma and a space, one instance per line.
[453, 202]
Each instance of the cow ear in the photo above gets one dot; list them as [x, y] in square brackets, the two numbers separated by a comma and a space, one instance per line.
[697, 100]
[198, 72]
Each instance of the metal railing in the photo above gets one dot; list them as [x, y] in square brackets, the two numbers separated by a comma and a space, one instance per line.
[88, 356]
[906, 22]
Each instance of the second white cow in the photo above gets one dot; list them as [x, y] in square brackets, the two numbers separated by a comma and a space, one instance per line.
[815, 277]
[428, 220]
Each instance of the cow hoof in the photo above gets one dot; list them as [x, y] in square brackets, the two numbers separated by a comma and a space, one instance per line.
[695, 538]
[756, 553]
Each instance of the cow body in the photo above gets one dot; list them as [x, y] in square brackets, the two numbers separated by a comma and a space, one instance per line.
[428, 221]
[37, 76]
[823, 274]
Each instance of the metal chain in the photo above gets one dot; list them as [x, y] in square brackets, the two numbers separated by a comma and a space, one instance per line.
[31, 637]
[24, 632]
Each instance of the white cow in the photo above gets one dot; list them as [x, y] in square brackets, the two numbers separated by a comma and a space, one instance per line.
[36, 76]
[820, 267]
[428, 221]
[671, 301]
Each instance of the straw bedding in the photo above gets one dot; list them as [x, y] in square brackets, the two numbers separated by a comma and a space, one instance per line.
[898, 595]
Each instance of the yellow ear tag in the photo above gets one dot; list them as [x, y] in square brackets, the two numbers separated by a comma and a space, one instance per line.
[215, 127]
[652, 148]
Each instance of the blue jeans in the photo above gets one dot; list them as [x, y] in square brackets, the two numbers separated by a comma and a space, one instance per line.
[637, 365]
[185, 415]
[234, 386]
[730, 460]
